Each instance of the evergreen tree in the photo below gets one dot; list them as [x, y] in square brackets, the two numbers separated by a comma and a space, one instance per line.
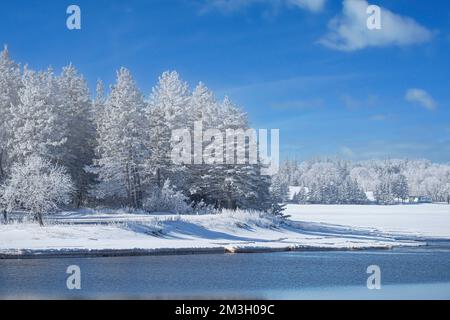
[158, 165]
[400, 187]
[121, 143]
[78, 114]
[38, 119]
[10, 84]
[168, 109]
[171, 96]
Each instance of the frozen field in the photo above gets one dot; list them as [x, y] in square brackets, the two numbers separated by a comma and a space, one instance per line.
[424, 220]
[310, 227]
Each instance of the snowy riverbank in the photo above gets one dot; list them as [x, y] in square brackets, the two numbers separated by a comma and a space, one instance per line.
[111, 233]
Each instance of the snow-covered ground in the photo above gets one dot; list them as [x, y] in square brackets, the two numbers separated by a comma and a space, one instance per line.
[412, 221]
[310, 227]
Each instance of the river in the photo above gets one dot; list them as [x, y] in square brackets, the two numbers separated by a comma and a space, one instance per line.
[419, 273]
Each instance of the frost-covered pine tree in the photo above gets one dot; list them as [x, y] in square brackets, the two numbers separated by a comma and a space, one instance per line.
[400, 187]
[38, 118]
[203, 174]
[159, 164]
[167, 110]
[231, 116]
[205, 108]
[383, 193]
[121, 149]
[99, 102]
[10, 83]
[301, 197]
[245, 185]
[37, 186]
[78, 114]
[279, 188]
[171, 95]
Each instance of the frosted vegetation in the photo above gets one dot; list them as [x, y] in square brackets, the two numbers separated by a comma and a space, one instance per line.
[59, 147]
[334, 181]
[62, 149]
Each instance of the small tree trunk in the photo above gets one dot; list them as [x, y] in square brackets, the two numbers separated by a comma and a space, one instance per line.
[77, 200]
[2, 173]
[128, 185]
[139, 189]
[230, 201]
[5, 216]
[158, 178]
[39, 219]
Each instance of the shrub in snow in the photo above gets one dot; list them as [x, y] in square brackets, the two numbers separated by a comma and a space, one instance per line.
[167, 199]
[203, 208]
[249, 218]
[153, 228]
[301, 197]
[36, 186]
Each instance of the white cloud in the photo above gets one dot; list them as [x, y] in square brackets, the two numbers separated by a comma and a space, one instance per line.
[228, 6]
[421, 97]
[311, 5]
[348, 31]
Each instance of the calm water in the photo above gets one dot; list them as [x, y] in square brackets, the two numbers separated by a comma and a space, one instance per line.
[414, 273]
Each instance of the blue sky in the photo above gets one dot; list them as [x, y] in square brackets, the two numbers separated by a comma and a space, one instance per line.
[306, 67]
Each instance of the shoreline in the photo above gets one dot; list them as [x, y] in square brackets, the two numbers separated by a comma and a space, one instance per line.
[105, 253]
[87, 233]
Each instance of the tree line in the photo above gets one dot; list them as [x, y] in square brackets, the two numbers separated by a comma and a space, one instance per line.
[115, 148]
[335, 181]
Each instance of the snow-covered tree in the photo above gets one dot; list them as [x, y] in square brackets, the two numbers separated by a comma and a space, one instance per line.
[78, 114]
[121, 143]
[99, 105]
[279, 188]
[10, 84]
[171, 95]
[37, 186]
[383, 193]
[204, 110]
[167, 110]
[167, 199]
[301, 197]
[38, 119]
[158, 165]
[400, 187]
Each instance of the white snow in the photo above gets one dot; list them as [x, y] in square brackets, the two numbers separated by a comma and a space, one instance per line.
[370, 196]
[418, 220]
[293, 190]
[310, 227]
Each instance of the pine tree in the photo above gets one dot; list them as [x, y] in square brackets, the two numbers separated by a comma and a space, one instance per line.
[78, 114]
[400, 187]
[171, 95]
[38, 119]
[383, 193]
[10, 84]
[158, 165]
[301, 197]
[99, 104]
[203, 176]
[168, 109]
[121, 138]
[279, 189]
